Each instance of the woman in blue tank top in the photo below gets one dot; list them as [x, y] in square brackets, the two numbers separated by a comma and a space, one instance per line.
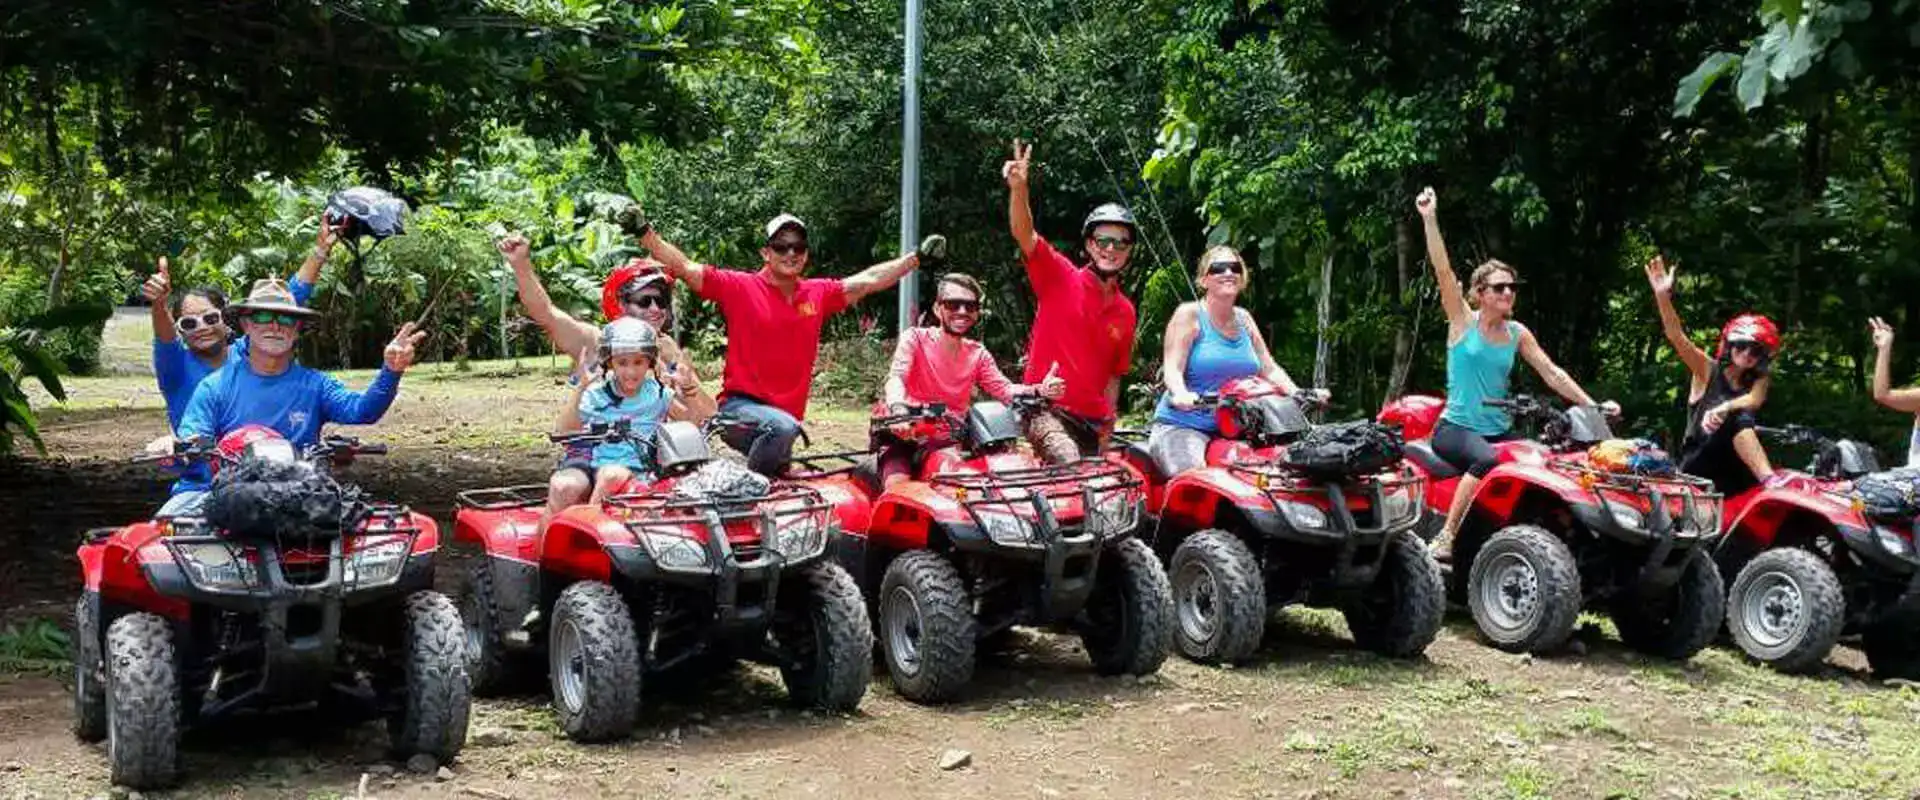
[1482, 341]
[1208, 343]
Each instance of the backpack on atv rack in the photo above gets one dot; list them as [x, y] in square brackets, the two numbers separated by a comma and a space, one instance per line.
[1631, 456]
[1893, 494]
[1360, 447]
[264, 499]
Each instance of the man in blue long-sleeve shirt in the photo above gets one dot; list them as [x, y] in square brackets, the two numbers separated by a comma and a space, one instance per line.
[269, 388]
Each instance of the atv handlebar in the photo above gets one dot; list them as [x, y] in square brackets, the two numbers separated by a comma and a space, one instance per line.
[1794, 434]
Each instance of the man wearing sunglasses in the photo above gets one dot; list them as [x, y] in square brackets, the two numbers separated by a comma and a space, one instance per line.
[774, 317]
[266, 386]
[638, 289]
[192, 337]
[1083, 329]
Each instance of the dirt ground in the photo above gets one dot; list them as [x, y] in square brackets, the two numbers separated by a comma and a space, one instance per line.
[1311, 718]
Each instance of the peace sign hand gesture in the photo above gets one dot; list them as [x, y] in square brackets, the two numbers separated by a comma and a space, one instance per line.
[399, 353]
[1882, 333]
[1015, 170]
[1660, 277]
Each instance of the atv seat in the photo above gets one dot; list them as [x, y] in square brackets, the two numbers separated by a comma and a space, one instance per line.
[1437, 468]
[1136, 453]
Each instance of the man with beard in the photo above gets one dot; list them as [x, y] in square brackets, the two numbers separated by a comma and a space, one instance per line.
[192, 338]
[774, 317]
[1083, 329]
[266, 386]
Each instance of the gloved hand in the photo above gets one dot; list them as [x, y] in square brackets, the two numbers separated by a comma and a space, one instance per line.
[633, 220]
[933, 250]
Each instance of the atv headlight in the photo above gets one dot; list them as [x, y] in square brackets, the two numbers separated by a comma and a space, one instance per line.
[1005, 527]
[675, 552]
[376, 562]
[1399, 507]
[801, 536]
[1625, 517]
[217, 566]
[1704, 517]
[1892, 542]
[1112, 514]
[1304, 517]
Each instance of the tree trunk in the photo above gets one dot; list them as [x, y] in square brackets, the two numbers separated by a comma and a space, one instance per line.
[1404, 333]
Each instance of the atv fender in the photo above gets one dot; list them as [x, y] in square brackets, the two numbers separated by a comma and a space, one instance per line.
[112, 568]
[507, 533]
[1193, 501]
[1755, 519]
[1501, 492]
[852, 507]
[904, 517]
[577, 540]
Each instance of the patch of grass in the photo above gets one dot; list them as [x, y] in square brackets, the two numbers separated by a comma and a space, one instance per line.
[1592, 720]
[1525, 781]
[1303, 742]
[35, 646]
[1350, 758]
[1043, 712]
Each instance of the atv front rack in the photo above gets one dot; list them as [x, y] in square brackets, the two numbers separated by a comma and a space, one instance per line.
[1282, 483]
[745, 527]
[1680, 493]
[1038, 496]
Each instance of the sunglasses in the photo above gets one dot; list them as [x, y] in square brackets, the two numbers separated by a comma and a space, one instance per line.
[1503, 288]
[649, 301]
[1224, 267]
[207, 320]
[1112, 243]
[957, 306]
[787, 248]
[272, 318]
[1746, 346]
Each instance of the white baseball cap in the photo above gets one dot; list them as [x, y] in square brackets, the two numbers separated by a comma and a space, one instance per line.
[774, 225]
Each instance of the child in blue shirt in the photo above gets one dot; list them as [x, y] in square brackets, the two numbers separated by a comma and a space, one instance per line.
[627, 390]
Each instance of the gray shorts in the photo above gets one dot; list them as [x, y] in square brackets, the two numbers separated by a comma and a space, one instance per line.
[1177, 449]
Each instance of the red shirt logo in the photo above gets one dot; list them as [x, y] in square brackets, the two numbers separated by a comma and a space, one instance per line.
[807, 308]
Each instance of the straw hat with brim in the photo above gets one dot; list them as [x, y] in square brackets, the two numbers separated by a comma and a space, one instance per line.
[273, 295]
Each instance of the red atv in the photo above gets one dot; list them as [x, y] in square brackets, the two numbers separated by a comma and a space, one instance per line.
[707, 564]
[1813, 561]
[985, 537]
[1550, 534]
[1251, 530]
[289, 591]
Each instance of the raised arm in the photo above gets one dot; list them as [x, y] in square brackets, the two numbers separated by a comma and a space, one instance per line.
[1660, 277]
[894, 391]
[309, 272]
[1019, 208]
[1269, 368]
[1904, 400]
[158, 290]
[633, 220]
[567, 334]
[348, 407]
[879, 277]
[1550, 373]
[1451, 297]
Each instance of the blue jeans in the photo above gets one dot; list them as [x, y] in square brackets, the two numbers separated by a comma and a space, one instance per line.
[768, 442]
[187, 503]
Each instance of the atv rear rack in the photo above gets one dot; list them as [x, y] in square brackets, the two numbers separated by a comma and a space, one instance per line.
[504, 498]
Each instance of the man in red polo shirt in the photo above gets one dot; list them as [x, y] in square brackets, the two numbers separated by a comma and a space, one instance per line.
[774, 318]
[1084, 325]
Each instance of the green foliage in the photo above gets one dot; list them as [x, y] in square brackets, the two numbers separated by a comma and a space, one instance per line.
[35, 642]
[23, 354]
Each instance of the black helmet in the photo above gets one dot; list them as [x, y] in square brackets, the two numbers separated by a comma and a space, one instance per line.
[368, 212]
[1109, 213]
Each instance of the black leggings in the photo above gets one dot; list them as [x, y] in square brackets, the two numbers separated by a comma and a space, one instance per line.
[1711, 455]
[1465, 449]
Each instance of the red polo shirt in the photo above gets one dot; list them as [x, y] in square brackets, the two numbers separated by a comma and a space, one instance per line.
[772, 339]
[1087, 332]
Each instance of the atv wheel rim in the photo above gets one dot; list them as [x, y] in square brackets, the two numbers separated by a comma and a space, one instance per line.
[1197, 600]
[1774, 611]
[569, 669]
[1510, 594]
[903, 630]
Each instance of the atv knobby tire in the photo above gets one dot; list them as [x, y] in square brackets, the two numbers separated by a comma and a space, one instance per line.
[1524, 590]
[926, 627]
[593, 662]
[1679, 621]
[433, 717]
[1786, 610]
[1219, 598]
[1127, 625]
[824, 627]
[1892, 645]
[143, 702]
[492, 669]
[89, 673]
[1400, 614]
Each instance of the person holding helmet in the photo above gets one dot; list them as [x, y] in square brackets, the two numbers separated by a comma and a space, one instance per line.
[268, 387]
[940, 364]
[1721, 444]
[1083, 329]
[774, 318]
[1905, 401]
[1208, 343]
[637, 289]
[1482, 342]
[626, 390]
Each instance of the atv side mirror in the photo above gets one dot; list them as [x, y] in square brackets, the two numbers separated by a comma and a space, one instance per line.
[1587, 425]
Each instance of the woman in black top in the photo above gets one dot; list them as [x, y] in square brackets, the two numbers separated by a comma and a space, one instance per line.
[1721, 444]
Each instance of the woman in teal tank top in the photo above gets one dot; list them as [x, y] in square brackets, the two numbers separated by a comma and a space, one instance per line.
[1482, 341]
[1208, 343]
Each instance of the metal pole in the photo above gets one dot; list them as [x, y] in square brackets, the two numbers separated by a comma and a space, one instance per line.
[910, 166]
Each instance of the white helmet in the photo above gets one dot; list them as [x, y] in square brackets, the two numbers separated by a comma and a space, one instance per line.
[625, 336]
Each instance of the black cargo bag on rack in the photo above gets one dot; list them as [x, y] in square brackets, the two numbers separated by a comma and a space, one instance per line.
[1360, 447]
[1893, 494]
[264, 499]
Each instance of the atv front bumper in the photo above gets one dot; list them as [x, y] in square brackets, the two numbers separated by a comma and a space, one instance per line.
[1067, 555]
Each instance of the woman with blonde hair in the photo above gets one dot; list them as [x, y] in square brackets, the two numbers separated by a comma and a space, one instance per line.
[1209, 342]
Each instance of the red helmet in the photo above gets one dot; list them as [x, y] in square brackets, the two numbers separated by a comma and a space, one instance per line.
[233, 445]
[646, 270]
[1749, 328]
